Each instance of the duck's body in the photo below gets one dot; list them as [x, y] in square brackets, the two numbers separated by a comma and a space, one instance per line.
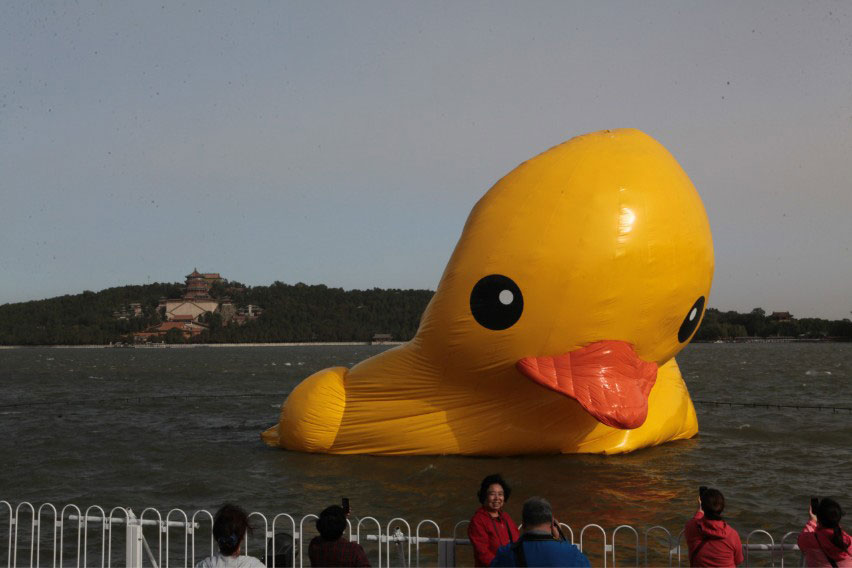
[576, 280]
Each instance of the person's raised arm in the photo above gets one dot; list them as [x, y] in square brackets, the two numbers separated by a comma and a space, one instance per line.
[807, 538]
[700, 512]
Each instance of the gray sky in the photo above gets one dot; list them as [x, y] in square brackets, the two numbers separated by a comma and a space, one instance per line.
[344, 143]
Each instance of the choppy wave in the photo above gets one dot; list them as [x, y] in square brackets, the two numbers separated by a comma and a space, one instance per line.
[197, 452]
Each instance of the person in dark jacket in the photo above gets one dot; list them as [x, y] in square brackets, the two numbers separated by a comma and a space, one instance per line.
[823, 541]
[541, 544]
[491, 527]
[711, 541]
[331, 548]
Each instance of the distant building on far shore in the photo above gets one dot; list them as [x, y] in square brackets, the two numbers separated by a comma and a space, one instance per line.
[132, 310]
[185, 314]
[188, 330]
[249, 313]
[380, 338]
[196, 301]
[781, 316]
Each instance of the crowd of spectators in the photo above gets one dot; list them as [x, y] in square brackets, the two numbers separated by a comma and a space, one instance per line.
[539, 541]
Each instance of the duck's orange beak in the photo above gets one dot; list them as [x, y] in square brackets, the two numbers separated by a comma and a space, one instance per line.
[607, 378]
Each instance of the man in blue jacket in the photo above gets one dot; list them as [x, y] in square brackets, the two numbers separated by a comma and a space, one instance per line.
[541, 544]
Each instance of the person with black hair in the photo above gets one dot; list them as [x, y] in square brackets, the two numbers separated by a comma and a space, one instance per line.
[542, 543]
[331, 548]
[230, 525]
[491, 527]
[711, 541]
[823, 541]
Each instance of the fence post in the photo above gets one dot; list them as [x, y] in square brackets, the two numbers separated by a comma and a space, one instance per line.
[447, 552]
[133, 552]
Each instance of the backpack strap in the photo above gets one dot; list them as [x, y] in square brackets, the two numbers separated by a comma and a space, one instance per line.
[505, 523]
[518, 551]
[694, 553]
[830, 559]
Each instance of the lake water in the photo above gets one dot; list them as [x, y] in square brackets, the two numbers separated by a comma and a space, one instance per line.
[95, 443]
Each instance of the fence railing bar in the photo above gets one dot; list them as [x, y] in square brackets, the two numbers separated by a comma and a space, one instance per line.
[38, 533]
[417, 537]
[397, 532]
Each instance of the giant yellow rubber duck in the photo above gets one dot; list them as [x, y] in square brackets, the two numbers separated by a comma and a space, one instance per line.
[576, 280]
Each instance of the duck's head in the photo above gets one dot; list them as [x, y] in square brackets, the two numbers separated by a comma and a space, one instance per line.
[582, 270]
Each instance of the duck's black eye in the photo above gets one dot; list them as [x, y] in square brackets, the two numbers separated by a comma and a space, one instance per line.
[690, 322]
[496, 302]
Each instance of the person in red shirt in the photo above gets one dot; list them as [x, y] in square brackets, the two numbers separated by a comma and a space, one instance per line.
[823, 541]
[331, 548]
[491, 527]
[711, 541]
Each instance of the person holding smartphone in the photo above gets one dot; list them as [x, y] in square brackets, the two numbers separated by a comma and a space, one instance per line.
[823, 541]
[711, 541]
[331, 548]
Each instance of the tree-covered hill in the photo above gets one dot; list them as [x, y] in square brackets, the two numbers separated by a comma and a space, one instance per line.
[318, 313]
[290, 313]
[728, 325]
[301, 312]
[81, 319]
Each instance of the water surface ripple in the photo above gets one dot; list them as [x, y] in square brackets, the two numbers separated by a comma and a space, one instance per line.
[180, 451]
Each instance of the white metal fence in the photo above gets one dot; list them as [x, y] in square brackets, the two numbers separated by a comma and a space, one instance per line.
[47, 535]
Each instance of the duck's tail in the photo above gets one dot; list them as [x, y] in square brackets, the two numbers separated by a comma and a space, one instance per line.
[311, 415]
[270, 436]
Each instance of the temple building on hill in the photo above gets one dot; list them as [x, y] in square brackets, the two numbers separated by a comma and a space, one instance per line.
[781, 317]
[196, 301]
[242, 315]
[132, 310]
[188, 330]
[184, 314]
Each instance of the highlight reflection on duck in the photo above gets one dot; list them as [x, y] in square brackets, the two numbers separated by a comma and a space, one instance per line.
[576, 280]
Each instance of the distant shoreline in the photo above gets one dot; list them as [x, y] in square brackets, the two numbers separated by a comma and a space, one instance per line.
[156, 346]
[772, 340]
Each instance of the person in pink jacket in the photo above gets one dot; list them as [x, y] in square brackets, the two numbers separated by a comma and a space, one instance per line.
[711, 541]
[823, 541]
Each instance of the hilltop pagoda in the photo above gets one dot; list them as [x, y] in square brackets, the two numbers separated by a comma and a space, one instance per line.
[195, 301]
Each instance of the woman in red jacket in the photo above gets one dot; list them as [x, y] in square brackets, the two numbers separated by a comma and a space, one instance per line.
[823, 541]
[491, 527]
[711, 541]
